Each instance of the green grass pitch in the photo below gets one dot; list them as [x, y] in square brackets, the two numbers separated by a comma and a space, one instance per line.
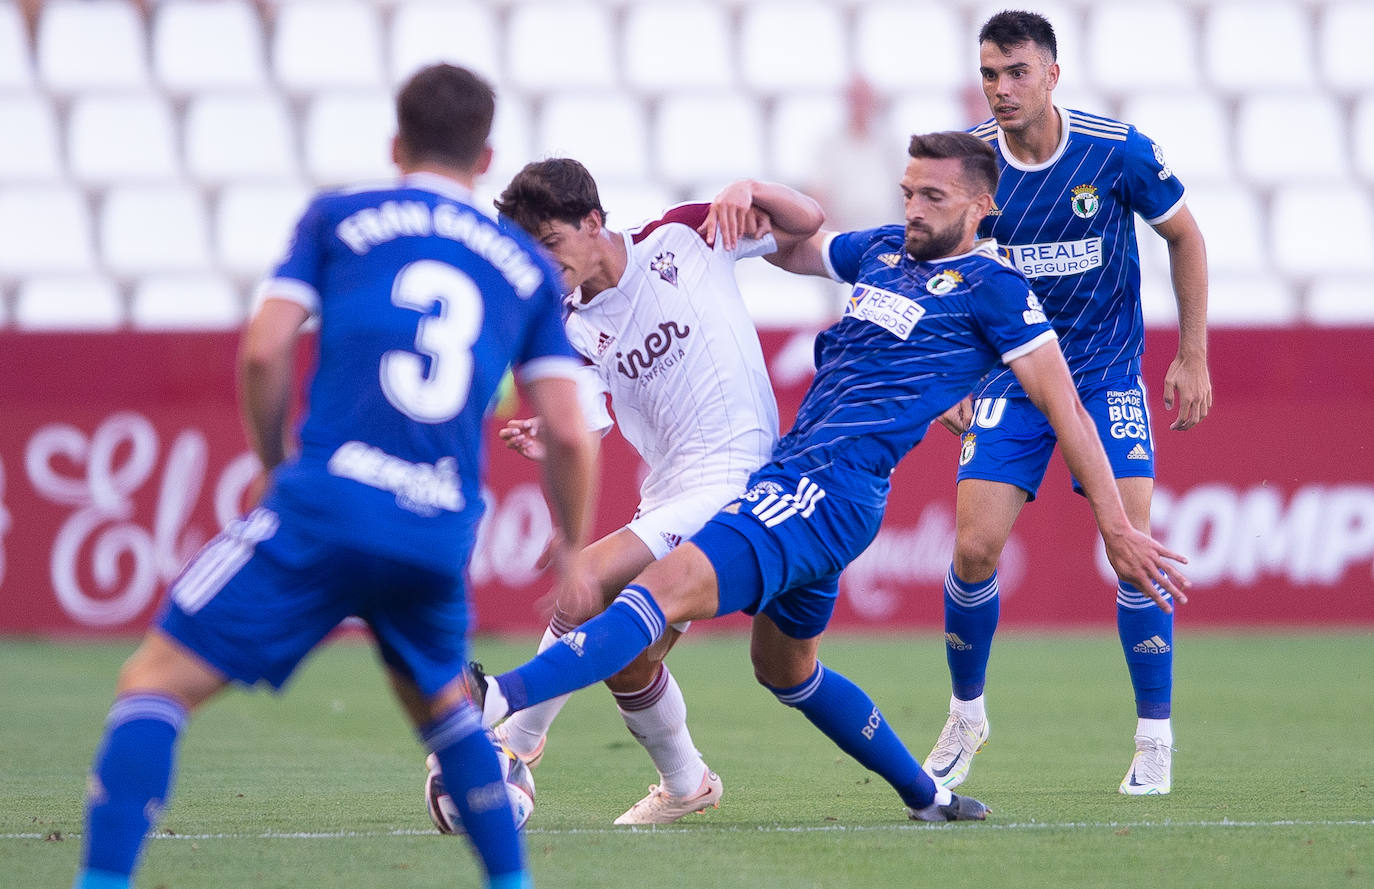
[322, 787]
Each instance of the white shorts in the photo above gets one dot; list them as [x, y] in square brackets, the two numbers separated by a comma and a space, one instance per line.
[664, 527]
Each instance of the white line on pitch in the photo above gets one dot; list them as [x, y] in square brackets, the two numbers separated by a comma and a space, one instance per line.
[763, 828]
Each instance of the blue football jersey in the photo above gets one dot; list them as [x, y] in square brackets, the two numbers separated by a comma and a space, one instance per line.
[424, 303]
[915, 338]
[1069, 225]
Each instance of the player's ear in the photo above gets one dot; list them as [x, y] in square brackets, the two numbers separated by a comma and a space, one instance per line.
[397, 153]
[483, 162]
[1052, 75]
[982, 205]
[592, 222]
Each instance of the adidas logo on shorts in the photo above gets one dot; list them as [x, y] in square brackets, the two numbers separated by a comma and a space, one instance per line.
[1138, 453]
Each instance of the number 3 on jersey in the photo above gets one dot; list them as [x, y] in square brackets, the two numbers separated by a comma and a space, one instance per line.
[445, 338]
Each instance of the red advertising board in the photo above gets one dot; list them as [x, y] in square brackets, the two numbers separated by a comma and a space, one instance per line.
[120, 454]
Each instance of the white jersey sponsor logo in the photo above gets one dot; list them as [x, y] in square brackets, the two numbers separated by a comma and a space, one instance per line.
[1056, 258]
[893, 312]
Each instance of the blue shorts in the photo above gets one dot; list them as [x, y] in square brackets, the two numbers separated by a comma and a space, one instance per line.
[262, 594]
[1010, 441]
[779, 549]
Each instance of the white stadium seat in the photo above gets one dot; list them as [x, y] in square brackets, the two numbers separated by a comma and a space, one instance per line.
[44, 229]
[929, 112]
[122, 138]
[560, 45]
[91, 45]
[780, 299]
[208, 44]
[1291, 136]
[607, 133]
[1316, 230]
[885, 54]
[347, 136]
[1232, 222]
[512, 141]
[16, 63]
[672, 46]
[1343, 44]
[1192, 128]
[793, 45]
[800, 125]
[328, 44]
[154, 229]
[630, 203]
[30, 149]
[460, 33]
[1233, 31]
[186, 301]
[253, 224]
[1251, 300]
[68, 302]
[708, 137]
[1341, 300]
[1362, 128]
[1124, 40]
[239, 136]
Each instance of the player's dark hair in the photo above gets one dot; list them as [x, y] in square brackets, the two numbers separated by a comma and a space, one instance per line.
[558, 189]
[977, 157]
[443, 115]
[1013, 27]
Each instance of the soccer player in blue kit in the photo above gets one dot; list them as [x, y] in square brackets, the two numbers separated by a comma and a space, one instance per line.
[1071, 183]
[423, 303]
[930, 313]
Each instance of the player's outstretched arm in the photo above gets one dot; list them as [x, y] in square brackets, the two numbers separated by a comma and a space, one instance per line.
[1135, 556]
[1188, 382]
[266, 375]
[790, 215]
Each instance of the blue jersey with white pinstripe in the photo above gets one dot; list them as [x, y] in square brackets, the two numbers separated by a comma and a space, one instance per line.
[915, 338]
[1069, 225]
[424, 303]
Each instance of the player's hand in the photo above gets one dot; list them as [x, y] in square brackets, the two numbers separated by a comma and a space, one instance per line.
[522, 436]
[1188, 384]
[728, 218]
[958, 418]
[576, 593]
[1142, 561]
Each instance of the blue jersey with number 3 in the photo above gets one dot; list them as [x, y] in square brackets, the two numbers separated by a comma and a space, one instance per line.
[1069, 225]
[423, 304]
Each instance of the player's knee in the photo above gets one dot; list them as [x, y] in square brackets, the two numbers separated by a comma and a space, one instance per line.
[976, 557]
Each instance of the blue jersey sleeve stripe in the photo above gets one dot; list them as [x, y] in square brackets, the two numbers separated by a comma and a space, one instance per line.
[290, 289]
[1169, 213]
[1026, 348]
[549, 366]
[825, 257]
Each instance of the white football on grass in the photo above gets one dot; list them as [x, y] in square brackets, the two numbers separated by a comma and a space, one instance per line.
[519, 787]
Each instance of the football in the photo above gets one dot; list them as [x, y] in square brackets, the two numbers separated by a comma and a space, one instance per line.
[519, 788]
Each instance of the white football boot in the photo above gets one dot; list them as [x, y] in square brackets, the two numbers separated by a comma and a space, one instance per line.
[1151, 771]
[660, 808]
[952, 756]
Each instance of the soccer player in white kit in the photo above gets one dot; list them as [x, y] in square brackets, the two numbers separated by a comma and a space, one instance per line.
[658, 315]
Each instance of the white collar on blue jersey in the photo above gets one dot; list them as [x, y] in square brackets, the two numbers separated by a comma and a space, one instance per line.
[1065, 120]
[981, 247]
[443, 185]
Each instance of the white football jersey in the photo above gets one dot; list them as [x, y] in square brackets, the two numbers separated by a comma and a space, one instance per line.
[678, 354]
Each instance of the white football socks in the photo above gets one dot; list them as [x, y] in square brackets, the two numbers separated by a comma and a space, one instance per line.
[661, 727]
[1159, 729]
[525, 731]
[973, 710]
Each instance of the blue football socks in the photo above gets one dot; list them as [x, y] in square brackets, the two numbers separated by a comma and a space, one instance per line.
[130, 781]
[473, 778]
[848, 716]
[971, 613]
[1147, 639]
[594, 651]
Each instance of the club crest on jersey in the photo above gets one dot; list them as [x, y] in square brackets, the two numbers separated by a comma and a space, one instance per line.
[1084, 201]
[944, 282]
[663, 264]
[890, 259]
[967, 448]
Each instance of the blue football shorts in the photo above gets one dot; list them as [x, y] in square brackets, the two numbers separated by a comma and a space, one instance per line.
[1010, 441]
[779, 549]
[260, 596]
